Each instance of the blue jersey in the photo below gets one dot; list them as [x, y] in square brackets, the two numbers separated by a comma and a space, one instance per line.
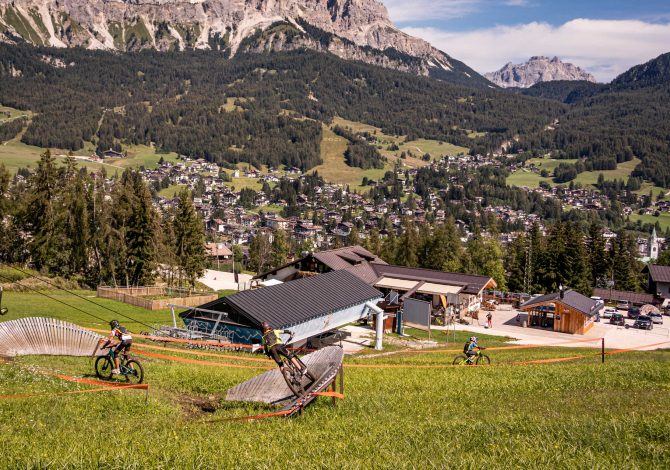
[472, 346]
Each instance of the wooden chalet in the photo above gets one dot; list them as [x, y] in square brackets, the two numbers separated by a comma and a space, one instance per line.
[565, 311]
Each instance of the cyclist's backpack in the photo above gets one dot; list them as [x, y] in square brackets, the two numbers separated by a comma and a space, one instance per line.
[466, 347]
[123, 330]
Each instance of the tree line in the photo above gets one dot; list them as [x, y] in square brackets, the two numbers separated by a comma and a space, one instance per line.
[64, 221]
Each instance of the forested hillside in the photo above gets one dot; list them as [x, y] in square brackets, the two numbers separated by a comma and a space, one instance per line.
[267, 109]
[178, 101]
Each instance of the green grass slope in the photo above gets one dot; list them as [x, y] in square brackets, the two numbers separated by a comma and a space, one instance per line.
[577, 414]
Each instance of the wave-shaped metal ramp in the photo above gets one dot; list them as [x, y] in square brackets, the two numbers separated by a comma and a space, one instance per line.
[271, 388]
[45, 336]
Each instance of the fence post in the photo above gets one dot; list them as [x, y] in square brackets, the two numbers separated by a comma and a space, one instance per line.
[602, 350]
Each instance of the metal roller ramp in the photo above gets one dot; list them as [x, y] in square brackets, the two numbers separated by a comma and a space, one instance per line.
[271, 388]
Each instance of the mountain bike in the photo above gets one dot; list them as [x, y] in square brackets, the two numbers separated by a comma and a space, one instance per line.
[477, 359]
[294, 376]
[130, 369]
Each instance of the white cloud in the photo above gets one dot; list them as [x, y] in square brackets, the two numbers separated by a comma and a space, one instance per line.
[605, 48]
[425, 10]
[403, 11]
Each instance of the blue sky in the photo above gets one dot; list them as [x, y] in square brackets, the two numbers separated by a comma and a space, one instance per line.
[605, 37]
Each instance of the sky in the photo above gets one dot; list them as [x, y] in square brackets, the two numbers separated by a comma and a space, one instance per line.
[604, 37]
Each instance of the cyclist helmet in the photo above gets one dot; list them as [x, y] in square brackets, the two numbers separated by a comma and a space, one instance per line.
[265, 326]
[114, 324]
[473, 338]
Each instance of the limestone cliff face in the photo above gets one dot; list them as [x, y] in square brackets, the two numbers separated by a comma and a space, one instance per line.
[537, 69]
[351, 29]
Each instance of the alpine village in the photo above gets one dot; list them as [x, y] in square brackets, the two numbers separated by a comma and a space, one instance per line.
[302, 234]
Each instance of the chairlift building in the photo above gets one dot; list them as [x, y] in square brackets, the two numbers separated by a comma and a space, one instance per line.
[308, 307]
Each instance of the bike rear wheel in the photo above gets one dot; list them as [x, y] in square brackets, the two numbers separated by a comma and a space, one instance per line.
[104, 367]
[293, 382]
[483, 360]
[137, 374]
[458, 360]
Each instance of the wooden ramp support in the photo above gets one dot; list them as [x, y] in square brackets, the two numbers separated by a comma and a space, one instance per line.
[271, 388]
[45, 336]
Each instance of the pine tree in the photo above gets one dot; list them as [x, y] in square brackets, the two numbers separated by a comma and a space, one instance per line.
[76, 229]
[578, 274]
[663, 258]
[354, 237]
[140, 236]
[485, 257]
[389, 245]
[373, 242]
[260, 253]
[626, 269]
[598, 258]
[189, 238]
[4, 190]
[408, 245]
[280, 249]
[41, 216]
[167, 247]
[516, 263]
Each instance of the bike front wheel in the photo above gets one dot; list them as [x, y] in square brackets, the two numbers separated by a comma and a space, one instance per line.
[104, 367]
[483, 360]
[459, 360]
[295, 384]
[135, 372]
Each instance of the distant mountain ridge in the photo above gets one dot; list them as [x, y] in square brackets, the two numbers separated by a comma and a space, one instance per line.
[538, 69]
[652, 73]
[351, 29]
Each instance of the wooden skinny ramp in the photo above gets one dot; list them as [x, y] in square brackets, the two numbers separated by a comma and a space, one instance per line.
[45, 336]
[271, 387]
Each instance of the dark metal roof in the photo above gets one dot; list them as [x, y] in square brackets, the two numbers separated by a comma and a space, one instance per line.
[339, 258]
[302, 300]
[633, 297]
[342, 258]
[473, 284]
[659, 273]
[571, 299]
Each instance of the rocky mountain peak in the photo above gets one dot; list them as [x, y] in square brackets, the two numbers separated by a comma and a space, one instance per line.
[351, 29]
[537, 69]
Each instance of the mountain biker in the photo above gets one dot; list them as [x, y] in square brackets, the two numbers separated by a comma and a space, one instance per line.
[274, 347]
[125, 341]
[470, 346]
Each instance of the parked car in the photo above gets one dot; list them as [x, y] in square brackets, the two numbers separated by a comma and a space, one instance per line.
[617, 319]
[643, 322]
[608, 312]
[623, 305]
[633, 312]
[656, 318]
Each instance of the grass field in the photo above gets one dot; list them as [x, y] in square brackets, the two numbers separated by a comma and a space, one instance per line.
[171, 190]
[524, 177]
[8, 114]
[415, 148]
[578, 414]
[663, 219]
[334, 169]
[622, 171]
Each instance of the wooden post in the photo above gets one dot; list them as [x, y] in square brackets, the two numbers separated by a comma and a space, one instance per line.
[342, 380]
[603, 350]
[333, 388]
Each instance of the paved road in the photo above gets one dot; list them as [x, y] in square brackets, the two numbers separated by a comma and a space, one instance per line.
[218, 280]
[504, 324]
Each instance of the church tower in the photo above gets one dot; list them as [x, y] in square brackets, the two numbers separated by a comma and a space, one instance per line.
[653, 246]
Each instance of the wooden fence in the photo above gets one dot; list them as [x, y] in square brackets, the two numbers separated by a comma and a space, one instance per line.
[136, 296]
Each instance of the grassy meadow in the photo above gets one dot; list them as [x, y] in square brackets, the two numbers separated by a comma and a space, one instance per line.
[398, 414]
[525, 177]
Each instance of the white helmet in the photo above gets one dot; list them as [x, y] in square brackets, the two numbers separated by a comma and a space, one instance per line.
[473, 338]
